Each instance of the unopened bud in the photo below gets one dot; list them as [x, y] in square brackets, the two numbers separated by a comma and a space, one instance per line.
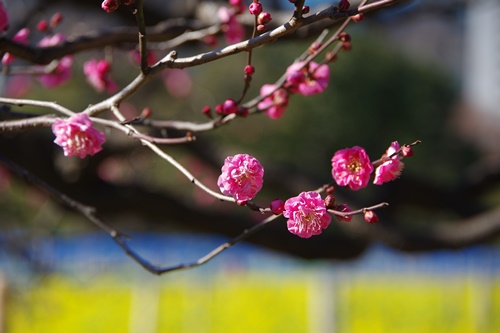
[207, 111]
[277, 206]
[407, 151]
[264, 18]
[343, 208]
[371, 217]
[344, 37]
[261, 28]
[330, 202]
[146, 113]
[255, 8]
[242, 112]
[249, 69]
[56, 19]
[305, 9]
[330, 190]
[358, 17]
[42, 26]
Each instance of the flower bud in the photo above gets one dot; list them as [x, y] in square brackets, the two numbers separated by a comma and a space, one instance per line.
[249, 69]
[42, 26]
[277, 206]
[371, 217]
[305, 9]
[110, 5]
[330, 190]
[343, 208]
[407, 151]
[242, 112]
[358, 17]
[255, 8]
[344, 37]
[229, 106]
[207, 111]
[261, 28]
[56, 19]
[264, 18]
[330, 202]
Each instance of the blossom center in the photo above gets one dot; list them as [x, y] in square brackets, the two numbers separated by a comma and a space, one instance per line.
[355, 166]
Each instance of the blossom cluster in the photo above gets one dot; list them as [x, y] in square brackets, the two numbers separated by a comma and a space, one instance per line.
[97, 73]
[308, 214]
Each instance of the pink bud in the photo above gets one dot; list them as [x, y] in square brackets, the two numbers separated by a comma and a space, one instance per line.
[344, 37]
[344, 209]
[229, 106]
[207, 111]
[255, 8]
[407, 151]
[56, 19]
[218, 109]
[277, 206]
[330, 202]
[42, 26]
[110, 5]
[261, 28]
[358, 17]
[371, 217]
[264, 18]
[305, 9]
[249, 69]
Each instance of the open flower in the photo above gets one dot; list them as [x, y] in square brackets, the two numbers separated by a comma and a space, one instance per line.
[97, 73]
[274, 104]
[77, 137]
[390, 169]
[242, 177]
[307, 214]
[351, 167]
[62, 72]
[307, 80]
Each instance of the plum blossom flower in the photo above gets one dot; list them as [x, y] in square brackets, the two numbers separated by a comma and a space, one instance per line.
[233, 30]
[274, 104]
[242, 177]
[309, 80]
[351, 167]
[4, 18]
[62, 72]
[77, 137]
[97, 73]
[20, 37]
[307, 214]
[390, 169]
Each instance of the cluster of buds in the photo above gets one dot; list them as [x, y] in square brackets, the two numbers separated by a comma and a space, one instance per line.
[112, 5]
[261, 18]
[54, 21]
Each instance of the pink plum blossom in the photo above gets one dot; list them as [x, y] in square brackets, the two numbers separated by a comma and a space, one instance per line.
[390, 169]
[242, 177]
[307, 214]
[97, 73]
[233, 30]
[62, 72]
[309, 80]
[4, 18]
[351, 167]
[77, 137]
[274, 104]
[20, 37]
